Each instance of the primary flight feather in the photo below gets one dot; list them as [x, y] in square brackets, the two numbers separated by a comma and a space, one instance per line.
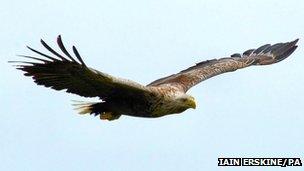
[125, 97]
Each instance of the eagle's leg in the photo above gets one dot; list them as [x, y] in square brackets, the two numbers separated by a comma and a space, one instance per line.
[109, 116]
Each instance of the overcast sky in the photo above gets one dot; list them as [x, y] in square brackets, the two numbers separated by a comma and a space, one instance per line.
[254, 112]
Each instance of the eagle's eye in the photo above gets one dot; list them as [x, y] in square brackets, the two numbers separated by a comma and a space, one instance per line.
[184, 99]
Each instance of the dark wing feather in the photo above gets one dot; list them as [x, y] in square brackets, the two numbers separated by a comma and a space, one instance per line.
[263, 55]
[61, 73]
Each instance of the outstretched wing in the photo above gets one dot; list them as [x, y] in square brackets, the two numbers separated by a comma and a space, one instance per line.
[264, 55]
[65, 72]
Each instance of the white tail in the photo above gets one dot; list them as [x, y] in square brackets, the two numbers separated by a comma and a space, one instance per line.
[83, 107]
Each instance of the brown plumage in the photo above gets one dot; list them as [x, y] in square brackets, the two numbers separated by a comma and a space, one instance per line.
[124, 97]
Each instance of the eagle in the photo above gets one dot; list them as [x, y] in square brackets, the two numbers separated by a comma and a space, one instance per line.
[165, 96]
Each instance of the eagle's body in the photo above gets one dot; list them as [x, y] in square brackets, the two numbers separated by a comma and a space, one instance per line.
[124, 97]
[155, 102]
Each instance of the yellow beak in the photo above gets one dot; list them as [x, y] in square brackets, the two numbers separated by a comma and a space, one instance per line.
[192, 103]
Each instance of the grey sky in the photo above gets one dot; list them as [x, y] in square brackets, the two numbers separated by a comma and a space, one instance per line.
[254, 112]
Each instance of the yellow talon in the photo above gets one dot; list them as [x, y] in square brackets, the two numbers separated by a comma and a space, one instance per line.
[109, 116]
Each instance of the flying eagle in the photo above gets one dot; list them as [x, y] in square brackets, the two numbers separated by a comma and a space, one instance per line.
[125, 97]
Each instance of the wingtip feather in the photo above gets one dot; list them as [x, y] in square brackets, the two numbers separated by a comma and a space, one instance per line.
[78, 56]
[296, 40]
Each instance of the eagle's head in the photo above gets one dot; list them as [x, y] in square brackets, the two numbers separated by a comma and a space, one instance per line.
[186, 101]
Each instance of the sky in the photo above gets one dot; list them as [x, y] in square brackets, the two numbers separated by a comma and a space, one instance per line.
[253, 112]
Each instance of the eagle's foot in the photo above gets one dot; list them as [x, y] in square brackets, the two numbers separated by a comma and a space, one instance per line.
[109, 116]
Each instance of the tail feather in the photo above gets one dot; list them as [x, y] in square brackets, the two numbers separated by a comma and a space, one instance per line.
[96, 108]
[83, 107]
